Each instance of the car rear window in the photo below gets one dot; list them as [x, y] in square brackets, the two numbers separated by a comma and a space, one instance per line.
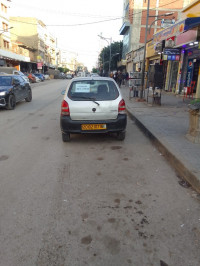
[102, 90]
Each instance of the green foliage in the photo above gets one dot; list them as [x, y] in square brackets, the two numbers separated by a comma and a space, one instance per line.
[116, 55]
[195, 101]
[94, 70]
[63, 69]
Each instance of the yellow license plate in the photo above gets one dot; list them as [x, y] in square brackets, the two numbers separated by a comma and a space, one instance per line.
[93, 126]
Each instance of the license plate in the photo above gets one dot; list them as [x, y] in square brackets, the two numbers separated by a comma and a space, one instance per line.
[93, 126]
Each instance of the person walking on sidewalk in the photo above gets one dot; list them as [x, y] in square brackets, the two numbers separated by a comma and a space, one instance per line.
[119, 78]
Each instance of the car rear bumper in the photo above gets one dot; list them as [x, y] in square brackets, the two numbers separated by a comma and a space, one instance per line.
[73, 126]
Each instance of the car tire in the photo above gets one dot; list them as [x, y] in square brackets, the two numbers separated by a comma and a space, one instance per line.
[121, 135]
[11, 102]
[29, 97]
[65, 137]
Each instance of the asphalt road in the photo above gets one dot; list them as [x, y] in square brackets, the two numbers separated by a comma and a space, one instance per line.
[93, 201]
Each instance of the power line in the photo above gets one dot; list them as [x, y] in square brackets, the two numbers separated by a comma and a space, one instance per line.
[94, 22]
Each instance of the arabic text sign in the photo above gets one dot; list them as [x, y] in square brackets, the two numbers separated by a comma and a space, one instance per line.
[174, 30]
[84, 88]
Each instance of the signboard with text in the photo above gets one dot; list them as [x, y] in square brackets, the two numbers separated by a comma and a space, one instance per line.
[171, 54]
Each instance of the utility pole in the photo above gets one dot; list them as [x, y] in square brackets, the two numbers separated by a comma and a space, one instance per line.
[145, 44]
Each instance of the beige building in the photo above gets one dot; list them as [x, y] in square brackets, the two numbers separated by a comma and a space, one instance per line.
[10, 53]
[33, 34]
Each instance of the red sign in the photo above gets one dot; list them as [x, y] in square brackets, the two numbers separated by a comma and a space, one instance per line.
[39, 65]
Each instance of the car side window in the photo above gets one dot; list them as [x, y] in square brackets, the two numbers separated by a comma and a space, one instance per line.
[15, 80]
[20, 79]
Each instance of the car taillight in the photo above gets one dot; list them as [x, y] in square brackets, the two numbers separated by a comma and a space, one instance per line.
[65, 108]
[122, 107]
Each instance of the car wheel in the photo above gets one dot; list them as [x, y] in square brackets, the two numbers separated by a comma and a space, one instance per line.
[121, 135]
[11, 102]
[29, 97]
[65, 137]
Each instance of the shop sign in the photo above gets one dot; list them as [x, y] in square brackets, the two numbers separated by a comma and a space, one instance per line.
[165, 23]
[138, 55]
[186, 37]
[172, 51]
[172, 54]
[129, 56]
[189, 72]
[39, 65]
[174, 30]
[170, 42]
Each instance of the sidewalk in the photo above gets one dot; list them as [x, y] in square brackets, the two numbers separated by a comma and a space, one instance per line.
[166, 126]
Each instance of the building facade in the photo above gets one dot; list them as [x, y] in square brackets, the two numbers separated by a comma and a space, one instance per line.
[134, 21]
[10, 53]
[33, 34]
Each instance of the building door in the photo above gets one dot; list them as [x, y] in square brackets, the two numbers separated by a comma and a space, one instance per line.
[173, 76]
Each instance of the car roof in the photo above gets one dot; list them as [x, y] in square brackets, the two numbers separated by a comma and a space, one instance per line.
[8, 75]
[97, 78]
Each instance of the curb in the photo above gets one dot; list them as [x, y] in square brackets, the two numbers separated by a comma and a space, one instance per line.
[178, 165]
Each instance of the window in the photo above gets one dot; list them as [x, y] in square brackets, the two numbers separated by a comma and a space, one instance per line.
[6, 44]
[5, 26]
[5, 81]
[3, 8]
[93, 90]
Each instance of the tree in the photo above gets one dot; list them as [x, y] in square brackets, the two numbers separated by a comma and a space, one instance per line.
[116, 55]
[94, 70]
[63, 69]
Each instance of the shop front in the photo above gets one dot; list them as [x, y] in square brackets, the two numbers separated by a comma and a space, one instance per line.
[182, 64]
[171, 57]
[153, 55]
[190, 61]
[129, 62]
[153, 58]
[138, 59]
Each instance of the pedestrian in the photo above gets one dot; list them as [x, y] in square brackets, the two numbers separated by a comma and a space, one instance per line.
[116, 76]
[127, 78]
[119, 78]
[111, 75]
[123, 78]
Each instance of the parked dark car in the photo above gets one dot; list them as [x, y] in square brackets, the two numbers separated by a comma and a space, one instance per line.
[13, 89]
[40, 76]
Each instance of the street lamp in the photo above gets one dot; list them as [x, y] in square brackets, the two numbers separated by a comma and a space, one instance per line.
[106, 39]
[158, 18]
[114, 56]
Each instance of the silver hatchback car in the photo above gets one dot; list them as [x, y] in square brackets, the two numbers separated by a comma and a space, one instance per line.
[93, 105]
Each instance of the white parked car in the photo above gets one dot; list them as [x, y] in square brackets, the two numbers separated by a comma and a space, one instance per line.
[47, 77]
[93, 105]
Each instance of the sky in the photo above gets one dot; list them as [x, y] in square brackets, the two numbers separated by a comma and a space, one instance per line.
[63, 19]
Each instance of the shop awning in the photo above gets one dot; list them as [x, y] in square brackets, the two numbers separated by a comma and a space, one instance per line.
[11, 55]
[176, 29]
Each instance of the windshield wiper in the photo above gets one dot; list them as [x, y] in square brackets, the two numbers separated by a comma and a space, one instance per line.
[87, 98]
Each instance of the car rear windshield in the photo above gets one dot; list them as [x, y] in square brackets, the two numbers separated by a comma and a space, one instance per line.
[99, 90]
[5, 81]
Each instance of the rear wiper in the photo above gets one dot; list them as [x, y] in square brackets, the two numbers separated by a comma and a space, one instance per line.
[87, 98]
